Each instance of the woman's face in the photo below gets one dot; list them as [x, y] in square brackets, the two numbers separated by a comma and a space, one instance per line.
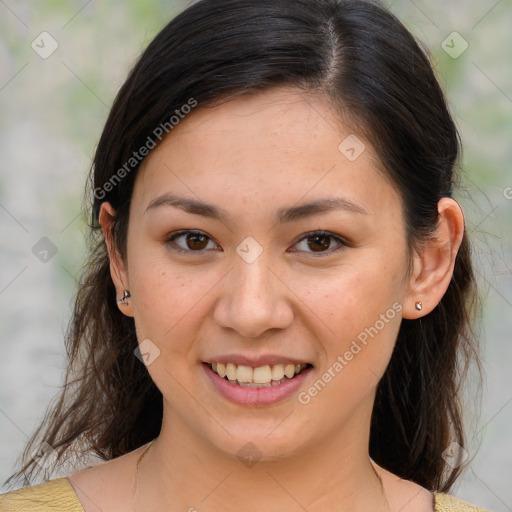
[256, 180]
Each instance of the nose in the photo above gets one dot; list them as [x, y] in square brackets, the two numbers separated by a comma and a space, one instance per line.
[253, 300]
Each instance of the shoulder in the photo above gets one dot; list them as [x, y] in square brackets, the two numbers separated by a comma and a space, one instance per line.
[108, 485]
[54, 495]
[408, 496]
[447, 503]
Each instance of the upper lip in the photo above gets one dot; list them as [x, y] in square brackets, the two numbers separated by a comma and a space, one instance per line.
[261, 360]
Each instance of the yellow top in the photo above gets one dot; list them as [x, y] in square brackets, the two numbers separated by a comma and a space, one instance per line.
[53, 496]
[59, 496]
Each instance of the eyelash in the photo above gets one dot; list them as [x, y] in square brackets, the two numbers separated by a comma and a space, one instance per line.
[342, 243]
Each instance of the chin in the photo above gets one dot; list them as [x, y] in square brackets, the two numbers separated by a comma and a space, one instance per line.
[251, 445]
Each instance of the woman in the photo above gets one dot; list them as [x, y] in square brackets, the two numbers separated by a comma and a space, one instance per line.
[279, 295]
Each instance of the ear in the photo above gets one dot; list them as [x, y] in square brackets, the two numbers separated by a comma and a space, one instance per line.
[117, 266]
[433, 267]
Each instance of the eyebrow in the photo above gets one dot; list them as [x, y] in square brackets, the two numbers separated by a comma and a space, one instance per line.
[283, 215]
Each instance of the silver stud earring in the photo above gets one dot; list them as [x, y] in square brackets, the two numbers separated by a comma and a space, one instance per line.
[122, 300]
[418, 305]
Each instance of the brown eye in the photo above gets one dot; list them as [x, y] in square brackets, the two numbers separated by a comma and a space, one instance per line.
[190, 241]
[196, 242]
[320, 243]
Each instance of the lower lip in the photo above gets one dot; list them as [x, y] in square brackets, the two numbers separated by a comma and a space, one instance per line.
[253, 397]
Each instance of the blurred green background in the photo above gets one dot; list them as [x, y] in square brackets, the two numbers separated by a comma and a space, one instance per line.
[52, 113]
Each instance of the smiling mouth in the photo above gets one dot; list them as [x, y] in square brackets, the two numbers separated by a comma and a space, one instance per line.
[259, 377]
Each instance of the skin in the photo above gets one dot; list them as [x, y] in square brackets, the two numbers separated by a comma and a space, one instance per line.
[253, 156]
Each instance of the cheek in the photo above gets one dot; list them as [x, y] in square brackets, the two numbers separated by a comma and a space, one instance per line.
[360, 311]
[363, 317]
[353, 296]
[161, 295]
[163, 298]
[167, 305]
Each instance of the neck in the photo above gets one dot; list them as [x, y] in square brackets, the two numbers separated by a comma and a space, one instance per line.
[180, 470]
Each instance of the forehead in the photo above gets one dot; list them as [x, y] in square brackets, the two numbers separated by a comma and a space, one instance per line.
[282, 117]
[280, 143]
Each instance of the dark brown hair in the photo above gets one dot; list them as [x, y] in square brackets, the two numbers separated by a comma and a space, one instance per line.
[370, 68]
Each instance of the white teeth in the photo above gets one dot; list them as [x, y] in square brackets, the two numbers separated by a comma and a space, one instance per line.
[289, 370]
[277, 371]
[244, 373]
[261, 376]
[221, 369]
[252, 385]
[231, 371]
